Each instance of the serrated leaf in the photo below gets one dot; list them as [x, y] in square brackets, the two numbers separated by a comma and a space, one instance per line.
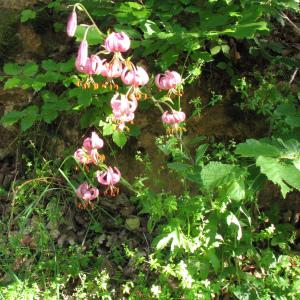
[273, 169]
[291, 176]
[119, 138]
[214, 173]
[255, 148]
[11, 69]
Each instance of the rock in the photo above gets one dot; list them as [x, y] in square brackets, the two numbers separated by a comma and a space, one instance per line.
[133, 223]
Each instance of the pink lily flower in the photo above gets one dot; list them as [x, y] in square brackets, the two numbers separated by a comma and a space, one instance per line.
[110, 177]
[87, 157]
[173, 118]
[82, 156]
[168, 80]
[123, 108]
[136, 77]
[72, 24]
[93, 66]
[117, 42]
[112, 70]
[93, 142]
[82, 56]
[86, 193]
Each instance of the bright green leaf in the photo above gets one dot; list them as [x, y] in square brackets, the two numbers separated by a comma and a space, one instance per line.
[11, 69]
[119, 138]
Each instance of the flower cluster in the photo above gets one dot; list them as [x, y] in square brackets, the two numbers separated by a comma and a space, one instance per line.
[123, 106]
[107, 176]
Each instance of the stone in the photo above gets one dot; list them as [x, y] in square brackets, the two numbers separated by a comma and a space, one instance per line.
[133, 223]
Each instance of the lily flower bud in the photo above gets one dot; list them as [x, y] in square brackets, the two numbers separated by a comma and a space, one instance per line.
[72, 24]
[82, 55]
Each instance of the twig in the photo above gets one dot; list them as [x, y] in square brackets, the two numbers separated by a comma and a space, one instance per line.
[295, 27]
[293, 76]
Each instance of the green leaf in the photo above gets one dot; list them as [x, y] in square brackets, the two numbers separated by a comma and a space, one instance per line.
[119, 138]
[30, 115]
[214, 173]
[255, 148]
[179, 167]
[149, 28]
[236, 190]
[286, 176]
[168, 58]
[225, 49]
[291, 176]
[297, 163]
[200, 152]
[67, 66]
[248, 30]
[214, 260]
[84, 97]
[93, 35]
[49, 113]
[109, 129]
[134, 130]
[215, 50]
[12, 83]
[11, 118]
[165, 241]
[37, 85]
[27, 14]
[11, 69]
[27, 122]
[30, 69]
[49, 65]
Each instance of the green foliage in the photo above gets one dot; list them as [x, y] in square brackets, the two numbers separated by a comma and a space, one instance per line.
[277, 159]
[27, 14]
[206, 238]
